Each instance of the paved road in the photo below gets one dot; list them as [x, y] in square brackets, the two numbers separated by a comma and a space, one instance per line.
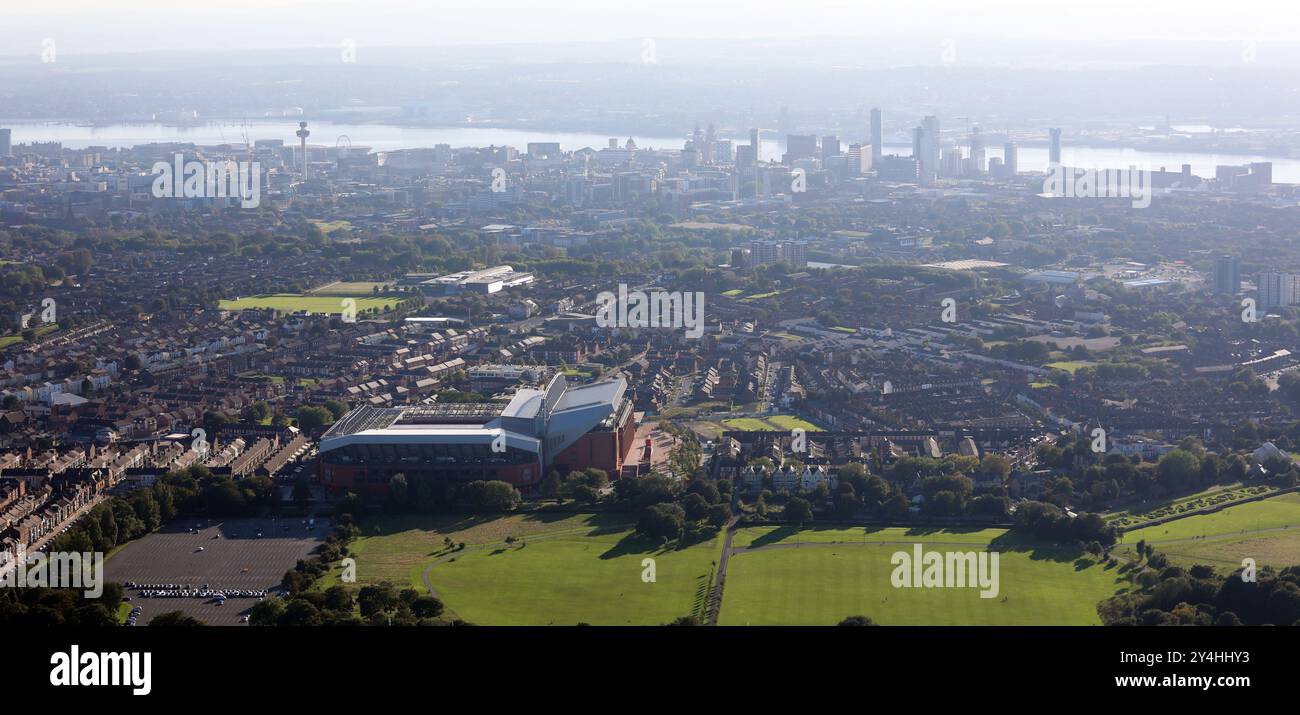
[715, 606]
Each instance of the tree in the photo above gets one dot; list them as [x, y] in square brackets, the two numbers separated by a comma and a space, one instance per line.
[338, 598]
[857, 621]
[260, 411]
[427, 607]
[695, 506]
[312, 418]
[300, 613]
[798, 511]
[377, 599]
[175, 618]
[719, 515]
[493, 495]
[994, 467]
[706, 489]
[896, 506]
[133, 362]
[662, 522]
[551, 486]
[337, 408]
[1178, 470]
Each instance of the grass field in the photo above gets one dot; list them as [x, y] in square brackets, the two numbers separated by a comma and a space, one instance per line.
[821, 582]
[16, 338]
[774, 423]
[1267, 531]
[1071, 366]
[564, 569]
[788, 422]
[748, 424]
[352, 288]
[293, 302]
[328, 227]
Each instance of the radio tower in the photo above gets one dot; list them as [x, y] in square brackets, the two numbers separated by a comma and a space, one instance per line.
[302, 134]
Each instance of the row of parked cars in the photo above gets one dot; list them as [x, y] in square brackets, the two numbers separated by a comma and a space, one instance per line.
[135, 615]
[220, 594]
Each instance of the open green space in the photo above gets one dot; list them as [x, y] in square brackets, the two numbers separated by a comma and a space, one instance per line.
[40, 330]
[293, 302]
[773, 423]
[788, 422]
[803, 577]
[562, 568]
[328, 227]
[1071, 366]
[748, 424]
[349, 288]
[1267, 531]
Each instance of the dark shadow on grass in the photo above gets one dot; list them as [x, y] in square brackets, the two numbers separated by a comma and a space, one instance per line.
[602, 522]
[1037, 551]
[444, 523]
[633, 544]
[777, 535]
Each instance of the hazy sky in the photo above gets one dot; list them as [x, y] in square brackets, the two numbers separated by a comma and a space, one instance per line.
[134, 25]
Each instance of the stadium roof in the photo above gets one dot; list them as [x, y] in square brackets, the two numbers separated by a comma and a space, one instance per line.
[572, 413]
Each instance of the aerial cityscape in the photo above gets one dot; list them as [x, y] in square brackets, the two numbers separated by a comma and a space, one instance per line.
[641, 331]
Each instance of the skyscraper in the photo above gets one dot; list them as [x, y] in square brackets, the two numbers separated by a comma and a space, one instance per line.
[978, 160]
[6, 146]
[800, 146]
[877, 135]
[830, 146]
[925, 147]
[755, 140]
[1054, 150]
[1011, 159]
[763, 252]
[1227, 275]
[1277, 289]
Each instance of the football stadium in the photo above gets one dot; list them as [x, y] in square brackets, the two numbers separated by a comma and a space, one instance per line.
[561, 427]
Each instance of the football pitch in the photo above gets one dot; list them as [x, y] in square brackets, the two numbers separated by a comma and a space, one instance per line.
[781, 576]
[293, 302]
[558, 570]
